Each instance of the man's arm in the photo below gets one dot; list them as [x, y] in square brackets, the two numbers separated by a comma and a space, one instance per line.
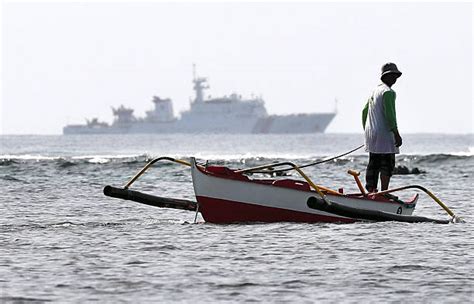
[364, 114]
[391, 115]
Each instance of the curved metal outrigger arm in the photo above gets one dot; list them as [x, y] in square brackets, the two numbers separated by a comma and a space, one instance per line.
[455, 218]
[150, 163]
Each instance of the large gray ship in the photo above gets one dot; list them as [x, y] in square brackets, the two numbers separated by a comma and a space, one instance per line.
[228, 114]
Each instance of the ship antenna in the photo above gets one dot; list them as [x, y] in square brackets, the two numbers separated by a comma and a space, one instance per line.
[199, 86]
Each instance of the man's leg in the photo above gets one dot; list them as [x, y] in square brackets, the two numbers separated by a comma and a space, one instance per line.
[387, 165]
[372, 173]
[385, 181]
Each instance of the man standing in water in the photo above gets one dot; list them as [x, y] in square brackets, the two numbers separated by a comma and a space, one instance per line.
[382, 139]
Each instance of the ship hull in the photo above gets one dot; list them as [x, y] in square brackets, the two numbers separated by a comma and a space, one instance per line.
[273, 124]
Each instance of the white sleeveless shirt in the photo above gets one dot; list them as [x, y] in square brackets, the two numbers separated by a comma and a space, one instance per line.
[378, 137]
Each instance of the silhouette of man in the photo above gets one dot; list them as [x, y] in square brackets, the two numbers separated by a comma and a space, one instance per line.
[382, 139]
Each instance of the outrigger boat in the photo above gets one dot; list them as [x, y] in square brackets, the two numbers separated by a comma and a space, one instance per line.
[225, 195]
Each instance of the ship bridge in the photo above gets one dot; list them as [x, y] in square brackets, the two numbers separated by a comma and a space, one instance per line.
[123, 115]
[232, 106]
[163, 111]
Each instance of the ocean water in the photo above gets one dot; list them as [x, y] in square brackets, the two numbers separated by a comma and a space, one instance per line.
[62, 240]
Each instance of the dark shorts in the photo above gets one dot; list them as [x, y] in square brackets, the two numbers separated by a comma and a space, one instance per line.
[382, 164]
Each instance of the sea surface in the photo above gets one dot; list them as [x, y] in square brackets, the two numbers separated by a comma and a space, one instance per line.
[62, 240]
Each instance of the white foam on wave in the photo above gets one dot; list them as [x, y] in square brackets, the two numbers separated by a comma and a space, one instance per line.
[458, 153]
[29, 157]
[108, 156]
[90, 158]
[240, 156]
[103, 159]
[470, 152]
[99, 160]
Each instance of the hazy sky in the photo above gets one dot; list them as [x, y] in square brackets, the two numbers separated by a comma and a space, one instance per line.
[64, 62]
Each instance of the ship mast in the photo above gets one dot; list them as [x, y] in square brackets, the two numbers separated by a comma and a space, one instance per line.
[200, 83]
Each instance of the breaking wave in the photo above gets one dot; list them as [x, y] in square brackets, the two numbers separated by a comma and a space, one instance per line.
[64, 162]
[242, 159]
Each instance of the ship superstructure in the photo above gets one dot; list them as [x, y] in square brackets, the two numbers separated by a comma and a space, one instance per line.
[227, 114]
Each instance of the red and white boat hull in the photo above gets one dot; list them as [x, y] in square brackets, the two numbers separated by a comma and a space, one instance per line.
[225, 196]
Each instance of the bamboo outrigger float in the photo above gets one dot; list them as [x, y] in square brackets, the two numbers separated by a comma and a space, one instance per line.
[225, 195]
